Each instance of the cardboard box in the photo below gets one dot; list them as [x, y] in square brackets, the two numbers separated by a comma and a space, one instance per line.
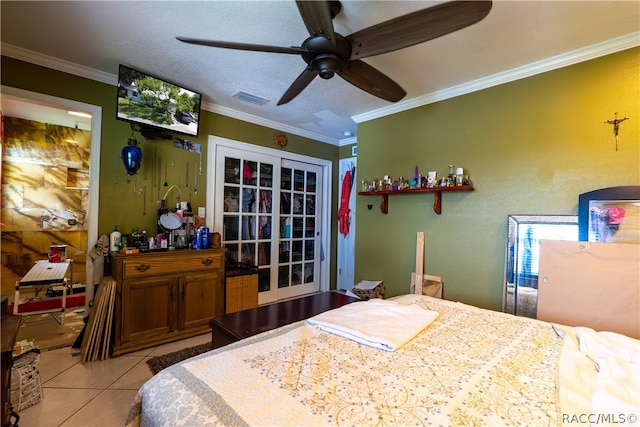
[242, 293]
[367, 289]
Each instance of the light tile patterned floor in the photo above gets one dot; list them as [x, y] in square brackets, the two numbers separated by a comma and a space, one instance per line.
[96, 393]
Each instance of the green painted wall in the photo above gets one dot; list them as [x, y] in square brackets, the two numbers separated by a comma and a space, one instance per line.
[118, 204]
[345, 151]
[530, 147]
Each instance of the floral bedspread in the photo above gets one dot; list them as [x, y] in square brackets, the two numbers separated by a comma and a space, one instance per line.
[469, 367]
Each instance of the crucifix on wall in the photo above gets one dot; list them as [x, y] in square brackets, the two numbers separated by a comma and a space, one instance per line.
[616, 123]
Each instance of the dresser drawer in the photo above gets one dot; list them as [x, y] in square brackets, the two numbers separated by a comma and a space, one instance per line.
[171, 265]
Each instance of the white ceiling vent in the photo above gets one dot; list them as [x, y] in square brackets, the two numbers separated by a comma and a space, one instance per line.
[247, 97]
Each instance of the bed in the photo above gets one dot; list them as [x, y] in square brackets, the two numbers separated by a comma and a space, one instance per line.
[469, 366]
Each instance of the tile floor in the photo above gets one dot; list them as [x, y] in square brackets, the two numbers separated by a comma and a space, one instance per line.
[95, 393]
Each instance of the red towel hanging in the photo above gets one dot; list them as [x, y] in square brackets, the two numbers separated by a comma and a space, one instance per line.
[344, 211]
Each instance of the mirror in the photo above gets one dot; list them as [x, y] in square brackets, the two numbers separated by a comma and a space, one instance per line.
[524, 232]
[610, 215]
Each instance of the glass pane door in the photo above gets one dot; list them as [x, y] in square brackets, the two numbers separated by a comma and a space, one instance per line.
[299, 229]
[244, 207]
[266, 209]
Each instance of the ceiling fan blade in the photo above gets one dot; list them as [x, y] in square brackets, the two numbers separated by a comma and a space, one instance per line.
[244, 46]
[417, 27]
[298, 85]
[369, 79]
[317, 18]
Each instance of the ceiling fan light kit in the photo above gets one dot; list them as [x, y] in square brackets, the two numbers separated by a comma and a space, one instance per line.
[328, 53]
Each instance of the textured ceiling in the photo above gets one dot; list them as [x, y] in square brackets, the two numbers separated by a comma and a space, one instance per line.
[91, 38]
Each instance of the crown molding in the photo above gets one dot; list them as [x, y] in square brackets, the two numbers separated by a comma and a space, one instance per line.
[569, 58]
[58, 64]
[112, 79]
[348, 141]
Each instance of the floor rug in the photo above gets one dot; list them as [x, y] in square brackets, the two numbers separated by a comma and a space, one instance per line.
[158, 363]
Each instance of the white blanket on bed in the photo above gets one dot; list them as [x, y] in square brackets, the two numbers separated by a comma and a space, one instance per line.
[386, 325]
[617, 359]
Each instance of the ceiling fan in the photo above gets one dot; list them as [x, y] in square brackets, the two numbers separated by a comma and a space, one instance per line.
[327, 52]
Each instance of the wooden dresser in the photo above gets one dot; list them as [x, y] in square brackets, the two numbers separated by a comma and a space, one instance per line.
[165, 296]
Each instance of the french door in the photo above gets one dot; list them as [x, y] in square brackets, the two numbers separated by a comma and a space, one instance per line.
[267, 211]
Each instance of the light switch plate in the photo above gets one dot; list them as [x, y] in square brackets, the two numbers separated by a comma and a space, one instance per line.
[201, 211]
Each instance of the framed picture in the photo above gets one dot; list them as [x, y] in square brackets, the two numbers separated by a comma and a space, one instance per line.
[610, 215]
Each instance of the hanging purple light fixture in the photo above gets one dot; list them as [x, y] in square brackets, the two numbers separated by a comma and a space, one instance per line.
[131, 156]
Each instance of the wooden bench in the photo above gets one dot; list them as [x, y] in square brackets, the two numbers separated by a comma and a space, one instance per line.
[233, 327]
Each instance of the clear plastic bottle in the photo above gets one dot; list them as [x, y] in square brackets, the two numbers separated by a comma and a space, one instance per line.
[459, 180]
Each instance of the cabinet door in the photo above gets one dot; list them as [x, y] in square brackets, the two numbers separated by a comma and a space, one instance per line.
[201, 299]
[148, 307]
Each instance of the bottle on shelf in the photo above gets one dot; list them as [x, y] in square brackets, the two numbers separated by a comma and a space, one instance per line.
[136, 238]
[205, 237]
[144, 237]
[114, 240]
[197, 239]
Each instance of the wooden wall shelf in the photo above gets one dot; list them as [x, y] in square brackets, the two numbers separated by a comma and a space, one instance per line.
[437, 195]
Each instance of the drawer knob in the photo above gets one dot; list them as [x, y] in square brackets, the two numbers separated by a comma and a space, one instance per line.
[207, 261]
[143, 267]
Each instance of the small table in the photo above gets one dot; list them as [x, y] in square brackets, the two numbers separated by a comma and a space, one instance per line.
[233, 327]
[43, 275]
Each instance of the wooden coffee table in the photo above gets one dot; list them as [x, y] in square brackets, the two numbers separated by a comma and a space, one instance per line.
[233, 327]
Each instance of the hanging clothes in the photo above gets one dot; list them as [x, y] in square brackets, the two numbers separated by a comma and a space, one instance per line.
[344, 211]
[353, 174]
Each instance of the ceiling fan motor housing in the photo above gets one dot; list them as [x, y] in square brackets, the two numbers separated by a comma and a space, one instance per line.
[324, 57]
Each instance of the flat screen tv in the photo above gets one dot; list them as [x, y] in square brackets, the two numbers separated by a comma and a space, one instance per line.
[155, 103]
